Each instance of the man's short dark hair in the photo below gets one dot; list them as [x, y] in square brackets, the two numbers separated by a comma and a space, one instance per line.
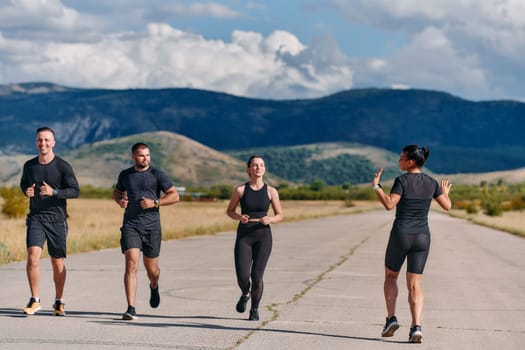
[45, 128]
[137, 146]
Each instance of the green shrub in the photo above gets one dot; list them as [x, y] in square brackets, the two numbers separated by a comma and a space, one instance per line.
[492, 198]
[517, 202]
[95, 192]
[472, 208]
[5, 254]
[15, 203]
[493, 208]
[364, 193]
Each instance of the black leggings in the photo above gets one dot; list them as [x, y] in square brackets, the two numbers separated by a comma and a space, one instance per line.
[413, 246]
[252, 250]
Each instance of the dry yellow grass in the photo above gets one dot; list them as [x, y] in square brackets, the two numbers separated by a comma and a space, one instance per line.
[94, 224]
[510, 221]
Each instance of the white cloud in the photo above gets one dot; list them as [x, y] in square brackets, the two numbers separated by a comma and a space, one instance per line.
[75, 48]
[400, 87]
[431, 57]
[470, 47]
[276, 66]
[31, 14]
[210, 9]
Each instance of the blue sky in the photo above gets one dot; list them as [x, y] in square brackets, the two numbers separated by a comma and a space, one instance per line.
[284, 49]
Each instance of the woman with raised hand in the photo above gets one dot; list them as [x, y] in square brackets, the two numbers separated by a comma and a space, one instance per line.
[411, 195]
[253, 243]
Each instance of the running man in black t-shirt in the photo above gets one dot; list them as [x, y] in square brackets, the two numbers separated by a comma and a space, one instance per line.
[47, 180]
[411, 194]
[138, 191]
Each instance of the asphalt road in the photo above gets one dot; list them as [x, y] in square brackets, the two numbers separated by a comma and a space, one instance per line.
[323, 290]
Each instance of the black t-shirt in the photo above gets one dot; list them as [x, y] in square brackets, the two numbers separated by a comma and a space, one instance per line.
[58, 174]
[416, 191]
[139, 184]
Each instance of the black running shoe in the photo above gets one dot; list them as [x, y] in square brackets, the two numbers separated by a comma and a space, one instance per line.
[130, 314]
[391, 326]
[59, 308]
[241, 304]
[415, 335]
[254, 315]
[154, 299]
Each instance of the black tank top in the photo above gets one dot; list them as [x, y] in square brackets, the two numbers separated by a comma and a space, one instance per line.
[255, 204]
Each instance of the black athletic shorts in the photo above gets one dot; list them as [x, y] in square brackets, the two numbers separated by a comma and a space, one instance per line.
[148, 241]
[412, 247]
[55, 233]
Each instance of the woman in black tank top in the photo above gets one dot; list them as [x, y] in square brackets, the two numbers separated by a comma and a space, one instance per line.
[411, 195]
[253, 244]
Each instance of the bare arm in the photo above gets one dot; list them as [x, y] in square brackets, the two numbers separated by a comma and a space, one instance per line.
[231, 211]
[171, 196]
[444, 200]
[388, 201]
[120, 198]
[276, 206]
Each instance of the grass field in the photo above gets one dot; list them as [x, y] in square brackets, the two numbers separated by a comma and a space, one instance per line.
[510, 221]
[94, 223]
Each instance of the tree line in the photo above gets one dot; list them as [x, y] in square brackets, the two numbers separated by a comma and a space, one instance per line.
[490, 198]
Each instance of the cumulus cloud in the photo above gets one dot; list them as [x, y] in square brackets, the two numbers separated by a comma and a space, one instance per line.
[276, 66]
[46, 20]
[471, 48]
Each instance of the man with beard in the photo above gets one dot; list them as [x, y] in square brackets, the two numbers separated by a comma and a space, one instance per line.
[138, 191]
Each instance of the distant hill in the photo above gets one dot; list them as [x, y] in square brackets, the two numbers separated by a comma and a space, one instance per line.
[187, 162]
[332, 163]
[192, 164]
[509, 176]
[464, 136]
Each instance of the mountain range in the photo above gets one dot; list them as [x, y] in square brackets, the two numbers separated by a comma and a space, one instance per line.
[463, 136]
[187, 162]
[192, 164]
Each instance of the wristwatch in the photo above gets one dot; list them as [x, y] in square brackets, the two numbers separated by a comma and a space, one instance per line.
[378, 186]
[157, 203]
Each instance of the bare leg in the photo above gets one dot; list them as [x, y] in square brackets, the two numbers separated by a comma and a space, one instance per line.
[415, 297]
[130, 275]
[153, 270]
[59, 276]
[391, 291]
[33, 269]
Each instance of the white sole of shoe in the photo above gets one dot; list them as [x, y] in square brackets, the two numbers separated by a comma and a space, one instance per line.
[129, 317]
[32, 312]
[416, 338]
[390, 330]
